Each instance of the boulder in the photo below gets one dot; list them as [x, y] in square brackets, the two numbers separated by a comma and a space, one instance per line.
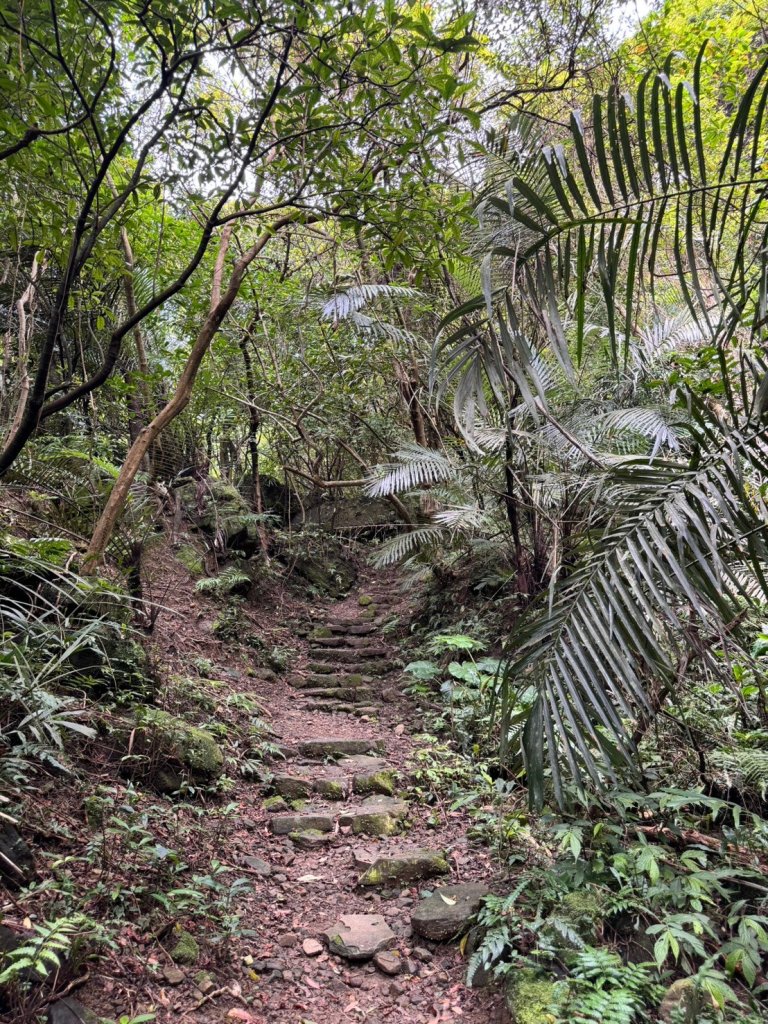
[447, 913]
[406, 866]
[17, 865]
[70, 1011]
[681, 1001]
[359, 936]
[220, 511]
[171, 750]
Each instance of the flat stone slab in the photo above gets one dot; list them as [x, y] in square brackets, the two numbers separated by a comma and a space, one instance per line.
[342, 656]
[362, 763]
[329, 782]
[347, 693]
[337, 746]
[340, 679]
[405, 866]
[447, 912]
[359, 936]
[351, 628]
[310, 839]
[302, 821]
[294, 787]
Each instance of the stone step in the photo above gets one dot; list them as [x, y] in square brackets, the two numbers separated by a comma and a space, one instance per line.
[360, 774]
[400, 867]
[351, 628]
[301, 821]
[337, 746]
[376, 816]
[342, 679]
[345, 657]
[376, 668]
[328, 782]
[337, 708]
[359, 936]
[343, 641]
[337, 692]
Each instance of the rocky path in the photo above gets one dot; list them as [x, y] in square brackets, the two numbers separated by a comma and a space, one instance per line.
[367, 894]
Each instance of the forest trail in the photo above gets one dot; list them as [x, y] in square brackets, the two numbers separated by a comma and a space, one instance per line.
[346, 862]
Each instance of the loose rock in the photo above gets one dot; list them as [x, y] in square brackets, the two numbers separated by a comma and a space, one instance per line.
[388, 961]
[359, 936]
[447, 913]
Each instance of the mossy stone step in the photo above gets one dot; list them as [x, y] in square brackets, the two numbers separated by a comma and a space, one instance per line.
[327, 668]
[337, 746]
[343, 642]
[340, 679]
[351, 628]
[400, 867]
[328, 782]
[310, 838]
[301, 821]
[381, 780]
[348, 693]
[341, 656]
[376, 816]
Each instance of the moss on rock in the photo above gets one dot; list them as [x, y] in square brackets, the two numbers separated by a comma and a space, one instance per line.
[532, 998]
[375, 782]
[275, 803]
[331, 789]
[191, 559]
[173, 749]
[186, 949]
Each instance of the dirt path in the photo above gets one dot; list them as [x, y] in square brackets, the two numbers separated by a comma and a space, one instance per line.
[340, 853]
[338, 839]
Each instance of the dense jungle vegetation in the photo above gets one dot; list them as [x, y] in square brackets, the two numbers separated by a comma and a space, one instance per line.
[469, 298]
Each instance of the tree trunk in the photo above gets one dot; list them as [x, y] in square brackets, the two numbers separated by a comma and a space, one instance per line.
[220, 306]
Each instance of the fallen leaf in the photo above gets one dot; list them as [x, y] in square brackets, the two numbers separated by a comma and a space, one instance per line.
[310, 878]
[448, 900]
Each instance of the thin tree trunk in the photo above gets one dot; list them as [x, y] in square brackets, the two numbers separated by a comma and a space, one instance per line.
[25, 312]
[254, 426]
[220, 306]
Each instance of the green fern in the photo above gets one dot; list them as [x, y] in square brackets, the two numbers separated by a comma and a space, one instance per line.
[45, 951]
[228, 581]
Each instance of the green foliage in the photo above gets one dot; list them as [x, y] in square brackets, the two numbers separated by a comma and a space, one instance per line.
[230, 580]
[44, 951]
[603, 989]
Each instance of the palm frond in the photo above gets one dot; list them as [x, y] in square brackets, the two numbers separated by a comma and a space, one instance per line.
[658, 584]
[342, 304]
[397, 548]
[416, 466]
